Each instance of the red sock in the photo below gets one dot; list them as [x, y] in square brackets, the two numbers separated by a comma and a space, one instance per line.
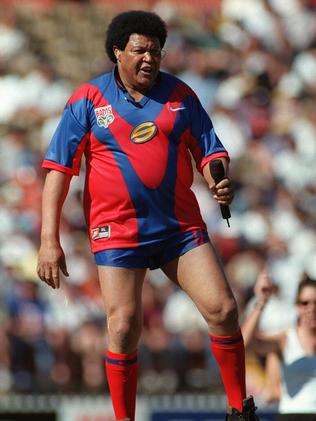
[121, 371]
[229, 352]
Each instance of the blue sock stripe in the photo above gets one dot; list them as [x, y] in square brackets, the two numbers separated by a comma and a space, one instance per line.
[120, 362]
[226, 340]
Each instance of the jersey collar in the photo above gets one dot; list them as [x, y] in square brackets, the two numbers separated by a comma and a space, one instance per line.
[127, 96]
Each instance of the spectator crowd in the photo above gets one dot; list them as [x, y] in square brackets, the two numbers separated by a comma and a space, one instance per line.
[253, 65]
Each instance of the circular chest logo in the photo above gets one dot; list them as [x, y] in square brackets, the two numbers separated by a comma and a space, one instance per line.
[143, 132]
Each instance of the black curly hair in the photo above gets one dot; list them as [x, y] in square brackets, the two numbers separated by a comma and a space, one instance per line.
[133, 22]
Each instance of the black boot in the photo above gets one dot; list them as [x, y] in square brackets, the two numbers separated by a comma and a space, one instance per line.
[248, 412]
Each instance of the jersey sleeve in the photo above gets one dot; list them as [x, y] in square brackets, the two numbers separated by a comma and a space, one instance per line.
[204, 143]
[65, 150]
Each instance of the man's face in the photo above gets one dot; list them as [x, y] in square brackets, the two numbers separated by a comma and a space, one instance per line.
[139, 63]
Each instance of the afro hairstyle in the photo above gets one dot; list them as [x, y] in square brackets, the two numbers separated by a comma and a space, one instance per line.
[133, 22]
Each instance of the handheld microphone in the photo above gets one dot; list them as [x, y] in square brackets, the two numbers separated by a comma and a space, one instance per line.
[218, 173]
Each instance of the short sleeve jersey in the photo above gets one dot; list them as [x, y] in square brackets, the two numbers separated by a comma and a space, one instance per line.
[138, 158]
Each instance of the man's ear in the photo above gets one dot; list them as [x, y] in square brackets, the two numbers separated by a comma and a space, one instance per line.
[117, 53]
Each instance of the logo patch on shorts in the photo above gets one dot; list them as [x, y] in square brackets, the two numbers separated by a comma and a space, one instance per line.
[100, 232]
[143, 132]
[104, 116]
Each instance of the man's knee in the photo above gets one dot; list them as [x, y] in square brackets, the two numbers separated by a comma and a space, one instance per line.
[225, 315]
[124, 328]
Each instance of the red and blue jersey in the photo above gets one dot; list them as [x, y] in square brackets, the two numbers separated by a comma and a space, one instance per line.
[138, 158]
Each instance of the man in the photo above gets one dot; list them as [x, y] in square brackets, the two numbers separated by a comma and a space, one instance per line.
[138, 128]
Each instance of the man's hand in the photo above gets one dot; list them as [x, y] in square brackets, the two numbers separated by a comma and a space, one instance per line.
[51, 259]
[223, 192]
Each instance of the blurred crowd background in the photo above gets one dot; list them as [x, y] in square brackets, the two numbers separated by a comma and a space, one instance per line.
[253, 65]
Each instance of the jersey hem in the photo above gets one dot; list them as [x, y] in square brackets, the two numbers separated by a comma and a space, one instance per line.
[119, 245]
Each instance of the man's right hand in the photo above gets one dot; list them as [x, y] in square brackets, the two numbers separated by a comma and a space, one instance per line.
[51, 259]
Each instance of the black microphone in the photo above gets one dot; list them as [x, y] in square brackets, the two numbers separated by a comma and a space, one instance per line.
[218, 173]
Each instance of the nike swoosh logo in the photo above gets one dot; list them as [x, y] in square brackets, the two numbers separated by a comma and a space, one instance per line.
[176, 109]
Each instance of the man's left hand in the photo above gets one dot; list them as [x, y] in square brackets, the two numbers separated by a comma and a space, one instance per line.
[223, 192]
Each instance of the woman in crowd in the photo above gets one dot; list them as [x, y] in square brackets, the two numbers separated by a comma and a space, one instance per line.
[295, 348]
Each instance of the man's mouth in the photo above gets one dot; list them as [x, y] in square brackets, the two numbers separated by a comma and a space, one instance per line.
[147, 71]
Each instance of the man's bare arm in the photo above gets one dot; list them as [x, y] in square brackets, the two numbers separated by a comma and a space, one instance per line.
[51, 256]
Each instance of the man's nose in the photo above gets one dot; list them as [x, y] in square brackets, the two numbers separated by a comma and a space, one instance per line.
[148, 55]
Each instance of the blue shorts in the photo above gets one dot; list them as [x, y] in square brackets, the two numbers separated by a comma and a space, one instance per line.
[153, 255]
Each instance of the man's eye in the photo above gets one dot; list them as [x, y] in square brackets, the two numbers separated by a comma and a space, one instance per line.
[153, 53]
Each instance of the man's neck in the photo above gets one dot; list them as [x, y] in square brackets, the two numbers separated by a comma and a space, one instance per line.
[135, 93]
